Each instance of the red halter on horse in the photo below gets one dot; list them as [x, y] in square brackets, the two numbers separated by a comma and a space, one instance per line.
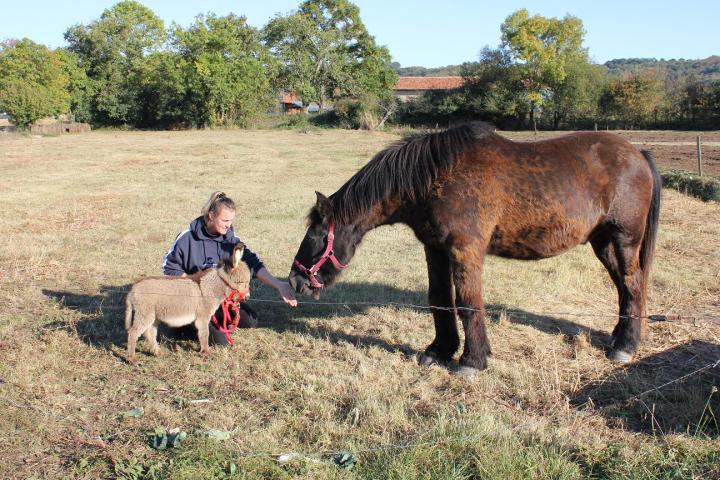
[328, 254]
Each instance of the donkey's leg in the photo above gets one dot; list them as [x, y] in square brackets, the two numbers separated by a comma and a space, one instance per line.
[151, 336]
[467, 268]
[202, 324]
[134, 332]
[440, 287]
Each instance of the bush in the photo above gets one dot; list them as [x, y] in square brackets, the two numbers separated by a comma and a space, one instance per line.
[705, 188]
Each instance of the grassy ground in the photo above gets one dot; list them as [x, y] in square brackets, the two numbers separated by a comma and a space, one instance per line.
[83, 216]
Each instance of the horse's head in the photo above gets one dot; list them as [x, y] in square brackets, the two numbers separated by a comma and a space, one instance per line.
[326, 250]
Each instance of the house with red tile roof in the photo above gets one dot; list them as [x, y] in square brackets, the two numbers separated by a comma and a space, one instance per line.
[408, 88]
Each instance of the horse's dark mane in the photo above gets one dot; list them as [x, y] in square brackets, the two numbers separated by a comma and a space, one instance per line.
[407, 168]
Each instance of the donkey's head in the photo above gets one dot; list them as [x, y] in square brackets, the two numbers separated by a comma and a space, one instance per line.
[236, 271]
[325, 250]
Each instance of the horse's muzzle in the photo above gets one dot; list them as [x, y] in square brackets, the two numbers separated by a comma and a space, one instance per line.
[301, 284]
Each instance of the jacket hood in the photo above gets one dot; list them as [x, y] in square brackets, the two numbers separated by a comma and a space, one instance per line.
[197, 227]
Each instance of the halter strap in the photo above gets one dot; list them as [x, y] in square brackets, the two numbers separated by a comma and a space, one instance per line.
[328, 254]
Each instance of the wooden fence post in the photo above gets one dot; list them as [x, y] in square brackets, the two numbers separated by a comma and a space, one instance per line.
[699, 156]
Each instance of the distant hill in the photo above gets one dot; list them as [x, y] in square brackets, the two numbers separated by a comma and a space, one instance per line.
[705, 70]
[448, 71]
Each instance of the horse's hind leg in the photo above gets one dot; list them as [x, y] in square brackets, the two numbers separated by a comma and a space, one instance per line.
[619, 253]
[440, 294]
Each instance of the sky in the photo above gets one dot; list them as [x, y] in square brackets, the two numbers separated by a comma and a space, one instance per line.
[429, 33]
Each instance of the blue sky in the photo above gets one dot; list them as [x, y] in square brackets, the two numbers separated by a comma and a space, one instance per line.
[429, 33]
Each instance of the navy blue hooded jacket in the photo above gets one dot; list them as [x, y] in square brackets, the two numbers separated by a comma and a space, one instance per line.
[195, 250]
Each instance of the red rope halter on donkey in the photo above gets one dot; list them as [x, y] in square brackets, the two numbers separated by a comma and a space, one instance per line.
[230, 313]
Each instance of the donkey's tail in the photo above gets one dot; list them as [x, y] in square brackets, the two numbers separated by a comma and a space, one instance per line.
[647, 250]
[129, 310]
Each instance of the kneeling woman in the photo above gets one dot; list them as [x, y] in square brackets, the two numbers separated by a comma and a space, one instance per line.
[209, 240]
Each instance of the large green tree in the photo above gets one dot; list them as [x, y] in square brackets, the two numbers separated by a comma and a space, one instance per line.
[226, 72]
[33, 83]
[576, 97]
[494, 87]
[326, 53]
[546, 48]
[113, 51]
[78, 85]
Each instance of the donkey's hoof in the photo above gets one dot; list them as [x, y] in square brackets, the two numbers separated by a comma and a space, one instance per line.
[427, 359]
[468, 373]
[132, 360]
[620, 356]
[205, 353]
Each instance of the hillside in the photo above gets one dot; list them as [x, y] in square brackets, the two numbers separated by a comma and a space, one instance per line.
[707, 69]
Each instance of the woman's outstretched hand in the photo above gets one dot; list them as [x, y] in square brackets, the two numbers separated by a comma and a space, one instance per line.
[287, 293]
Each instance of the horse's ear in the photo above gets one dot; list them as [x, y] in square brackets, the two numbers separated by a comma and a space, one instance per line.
[324, 207]
[237, 254]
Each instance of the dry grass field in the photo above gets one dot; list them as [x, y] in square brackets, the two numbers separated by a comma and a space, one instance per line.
[85, 215]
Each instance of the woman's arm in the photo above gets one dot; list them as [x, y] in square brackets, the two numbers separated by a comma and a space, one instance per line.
[284, 289]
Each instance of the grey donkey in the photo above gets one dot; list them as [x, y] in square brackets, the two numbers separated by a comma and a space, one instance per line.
[178, 301]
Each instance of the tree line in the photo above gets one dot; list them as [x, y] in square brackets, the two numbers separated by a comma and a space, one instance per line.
[128, 69]
[541, 76]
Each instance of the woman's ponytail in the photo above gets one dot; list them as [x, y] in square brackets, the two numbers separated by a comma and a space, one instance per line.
[216, 201]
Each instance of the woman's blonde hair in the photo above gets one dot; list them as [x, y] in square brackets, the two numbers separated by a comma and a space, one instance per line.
[216, 201]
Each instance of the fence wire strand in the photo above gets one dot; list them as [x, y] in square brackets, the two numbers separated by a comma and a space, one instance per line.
[663, 317]
[706, 318]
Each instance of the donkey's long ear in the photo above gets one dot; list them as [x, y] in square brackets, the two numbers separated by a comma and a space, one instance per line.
[237, 254]
[323, 206]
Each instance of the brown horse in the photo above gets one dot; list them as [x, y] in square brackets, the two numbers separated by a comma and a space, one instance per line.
[467, 192]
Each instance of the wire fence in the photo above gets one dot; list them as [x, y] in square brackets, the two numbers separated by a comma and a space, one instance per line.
[659, 317]
[694, 319]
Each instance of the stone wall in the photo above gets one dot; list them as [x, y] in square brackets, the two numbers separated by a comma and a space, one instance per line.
[60, 128]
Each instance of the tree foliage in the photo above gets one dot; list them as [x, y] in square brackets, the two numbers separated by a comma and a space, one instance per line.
[113, 51]
[33, 83]
[632, 98]
[223, 74]
[546, 49]
[326, 53]
[125, 69]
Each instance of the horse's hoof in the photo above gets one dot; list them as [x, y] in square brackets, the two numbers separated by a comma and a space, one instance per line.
[468, 373]
[205, 353]
[620, 356]
[132, 360]
[427, 359]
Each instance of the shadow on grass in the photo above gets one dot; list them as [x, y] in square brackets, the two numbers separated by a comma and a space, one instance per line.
[673, 391]
[102, 324]
[684, 406]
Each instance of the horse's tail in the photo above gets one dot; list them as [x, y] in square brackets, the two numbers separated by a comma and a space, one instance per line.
[647, 249]
[129, 310]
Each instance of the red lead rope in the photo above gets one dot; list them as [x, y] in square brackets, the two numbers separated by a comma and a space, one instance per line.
[230, 313]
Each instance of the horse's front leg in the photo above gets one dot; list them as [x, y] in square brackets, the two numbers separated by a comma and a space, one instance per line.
[467, 275]
[440, 287]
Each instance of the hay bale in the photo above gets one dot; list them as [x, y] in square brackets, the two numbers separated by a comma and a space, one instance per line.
[705, 188]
